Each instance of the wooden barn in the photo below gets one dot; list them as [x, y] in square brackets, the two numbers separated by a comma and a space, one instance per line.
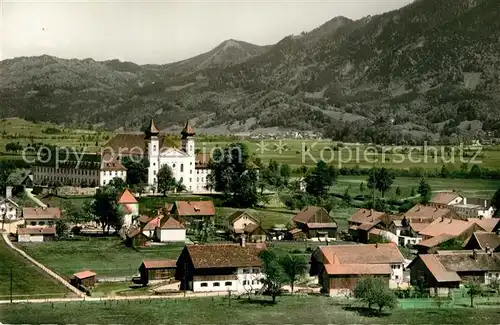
[86, 279]
[157, 270]
[136, 238]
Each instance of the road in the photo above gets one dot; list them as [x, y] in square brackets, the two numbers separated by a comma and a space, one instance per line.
[30, 195]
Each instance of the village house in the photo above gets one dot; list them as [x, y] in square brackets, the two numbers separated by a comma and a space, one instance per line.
[315, 222]
[228, 267]
[483, 241]
[445, 199]
[153, 270]
[238, 220]
[10, 214]
[129, 206]
[489, 225]
[41, 217]
[170, 230]
[150, 226]
[193, 213]
[254, 233]
[446, 270]
[340, 267]
[134, 237]
[368, 225]
[35, 234]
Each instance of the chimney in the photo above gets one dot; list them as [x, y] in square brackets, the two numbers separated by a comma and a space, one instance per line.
[243, 240]
[474, 254]
[487, 248]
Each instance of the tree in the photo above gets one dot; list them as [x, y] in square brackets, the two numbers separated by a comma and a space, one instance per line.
[412, 193]
[473, 289]
[206, 231]
[380, 179]
[166, 180]
[105, 208]
[375, 291]
[475, 172]
[347, 196]
[137, 172]
[362, 187]
[444, 172]
[398, 191]
[319, 181]
[286, 173]
[425, 191]
[294, 267]
[118, 183]
[61, 227]
[233, 175]
[6, 169]
[275, 277]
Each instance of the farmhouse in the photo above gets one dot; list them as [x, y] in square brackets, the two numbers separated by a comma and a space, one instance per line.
[444, 199]
[239, 220]
[448, 269]
[151, 270]
[35, 234]
[41, 217]
[367, 225]
[229, 267]
[170, 230]
[8, 209]
[474, 208]
[315, 222]
[489, 225]
[459, 229]
[193, 212]
[482, 240]
[134, 237]
[254, 233]
[339, 267]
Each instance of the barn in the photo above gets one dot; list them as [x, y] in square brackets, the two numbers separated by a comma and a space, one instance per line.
[157, 270]
[35, 234]
[86, 279]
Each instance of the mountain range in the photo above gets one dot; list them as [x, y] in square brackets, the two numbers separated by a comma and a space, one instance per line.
[429, 68]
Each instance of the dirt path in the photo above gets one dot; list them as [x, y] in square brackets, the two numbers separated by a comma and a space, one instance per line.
[41, 266]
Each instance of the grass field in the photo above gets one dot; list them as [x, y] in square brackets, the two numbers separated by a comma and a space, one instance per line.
[27, 279]
[288, 310]
[106, 256]
[24, 132]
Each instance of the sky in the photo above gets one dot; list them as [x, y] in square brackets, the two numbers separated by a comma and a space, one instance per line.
[160, 32]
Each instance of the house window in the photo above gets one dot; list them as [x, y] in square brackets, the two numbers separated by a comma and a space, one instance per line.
[190, 180]
[256, 270]
[204, 284]
[191, 171]
[228, 284]
[246, 271]
[154, 164]
[154, 148]
[33, 223]
[42, 223]
[197, 179]
[216, 284]
[154, 172]
[245, 282]
[255, 281]
[198, 171]
[182, 168]
[173, 165]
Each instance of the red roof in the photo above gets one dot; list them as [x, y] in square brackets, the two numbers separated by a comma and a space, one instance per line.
[36, 231]
[195, 208]
[152, 224]
[347, 269]
[171, 223]
[127, 197]
[84, 274]
[159, 264]
[41, 213]
[444, 197]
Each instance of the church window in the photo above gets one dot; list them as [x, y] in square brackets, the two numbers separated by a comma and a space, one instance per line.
[197, 179]
[154, 148]
[190, 180]
[154, 172]
[191, 171]
[173, 165]
[198, 171]
[182, 168]
[154, 164]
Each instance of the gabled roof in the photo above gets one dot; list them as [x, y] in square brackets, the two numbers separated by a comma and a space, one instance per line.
[440, 273]
[486, 239]
[366, 226]
[159, 264]
[195, 208]
[464, 261]
[224, 256]
[239, 214]
[444, 197]
[435, 241]
[362, 254]
[366, 216]
[488, 225]
[112, 164]
[127, 198]
[144, 219]
[422, 212]
[41, 213]
[171, 223]
[312, 214]
[84, 274]
[36, 231]
[152, 224]
[447, 226]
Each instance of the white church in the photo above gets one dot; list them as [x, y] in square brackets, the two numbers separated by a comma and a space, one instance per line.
[186, 165]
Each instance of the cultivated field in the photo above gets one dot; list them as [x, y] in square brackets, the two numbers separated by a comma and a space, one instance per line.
[27, 279]
[288, 310]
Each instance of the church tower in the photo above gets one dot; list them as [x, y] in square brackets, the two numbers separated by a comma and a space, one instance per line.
[187, 139]
[152, 150]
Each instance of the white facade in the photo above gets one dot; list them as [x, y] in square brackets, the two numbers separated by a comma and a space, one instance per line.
[247, 280]
[171, 235]
[397, 272]
[491, 277]
[105, 176]
[8, 208]
[30, 238]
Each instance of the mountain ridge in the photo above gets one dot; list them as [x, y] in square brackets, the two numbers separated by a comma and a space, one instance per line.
[428, 66]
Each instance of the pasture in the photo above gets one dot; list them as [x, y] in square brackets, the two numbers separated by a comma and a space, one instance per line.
[296, 309]
[27, 279]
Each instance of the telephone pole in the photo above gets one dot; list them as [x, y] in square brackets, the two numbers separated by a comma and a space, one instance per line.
[11, 285]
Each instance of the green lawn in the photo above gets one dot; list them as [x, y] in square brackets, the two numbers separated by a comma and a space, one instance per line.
[27, 279]
[106, 256]
[288, 310]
